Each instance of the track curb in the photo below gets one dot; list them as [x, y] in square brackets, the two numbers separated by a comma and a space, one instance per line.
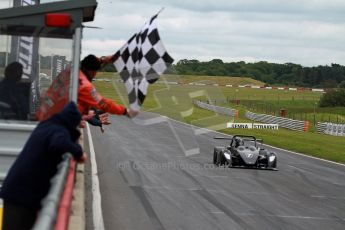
[77, 216]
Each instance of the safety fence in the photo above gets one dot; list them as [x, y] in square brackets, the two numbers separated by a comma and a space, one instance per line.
[331, 128]
[217, 109]
[281, 121]
[56, 205]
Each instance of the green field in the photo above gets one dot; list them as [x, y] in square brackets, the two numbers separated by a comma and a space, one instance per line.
[175, 101]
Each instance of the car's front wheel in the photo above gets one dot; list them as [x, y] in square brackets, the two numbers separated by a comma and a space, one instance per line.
[216, 155]
[220, 159]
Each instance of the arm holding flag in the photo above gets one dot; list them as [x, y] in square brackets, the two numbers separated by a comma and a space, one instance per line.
[104, 60]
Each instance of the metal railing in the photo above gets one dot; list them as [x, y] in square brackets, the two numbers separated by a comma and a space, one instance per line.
[331, 128]
[217, 109]
[281, 121]
[52, 202]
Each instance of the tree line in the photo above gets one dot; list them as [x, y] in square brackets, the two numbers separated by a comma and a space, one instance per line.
[288, 74]
[270, 73]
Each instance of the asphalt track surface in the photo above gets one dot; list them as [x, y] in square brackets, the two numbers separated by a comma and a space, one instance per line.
[148, 182]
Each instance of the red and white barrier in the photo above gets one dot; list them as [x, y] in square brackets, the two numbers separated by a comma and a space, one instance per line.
[63, 214]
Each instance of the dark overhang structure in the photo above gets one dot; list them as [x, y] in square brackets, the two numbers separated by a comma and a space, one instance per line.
[32, 20]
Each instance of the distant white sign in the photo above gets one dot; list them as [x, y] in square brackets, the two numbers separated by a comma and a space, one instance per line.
[251, 126]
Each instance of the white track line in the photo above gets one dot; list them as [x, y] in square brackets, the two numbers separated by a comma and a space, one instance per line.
[96, 194]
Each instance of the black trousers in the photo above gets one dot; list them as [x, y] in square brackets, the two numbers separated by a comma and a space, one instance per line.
[16, 217]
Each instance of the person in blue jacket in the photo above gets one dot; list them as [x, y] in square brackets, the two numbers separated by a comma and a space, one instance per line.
[28, 180]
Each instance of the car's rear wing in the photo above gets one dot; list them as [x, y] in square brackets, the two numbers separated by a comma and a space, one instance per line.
[223, 138]
[243, 137]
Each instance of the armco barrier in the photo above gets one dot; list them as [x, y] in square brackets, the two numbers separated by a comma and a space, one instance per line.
[217, 109]
[63, 214]
[331, 128]
[281, 121]
[54, 201]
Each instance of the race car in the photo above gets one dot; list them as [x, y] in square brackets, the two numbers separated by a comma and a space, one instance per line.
[244, 151]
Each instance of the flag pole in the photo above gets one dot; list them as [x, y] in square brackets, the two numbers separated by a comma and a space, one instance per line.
[160, 10]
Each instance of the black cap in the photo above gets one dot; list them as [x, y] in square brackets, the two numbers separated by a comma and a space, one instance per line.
[91, 62]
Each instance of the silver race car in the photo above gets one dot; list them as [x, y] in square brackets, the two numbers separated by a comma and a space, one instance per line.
[244, 151]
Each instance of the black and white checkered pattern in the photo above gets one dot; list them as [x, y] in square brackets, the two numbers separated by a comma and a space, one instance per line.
[141, 61]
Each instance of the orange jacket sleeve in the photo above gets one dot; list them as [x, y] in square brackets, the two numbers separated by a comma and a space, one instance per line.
[88, 98]
[109, 106]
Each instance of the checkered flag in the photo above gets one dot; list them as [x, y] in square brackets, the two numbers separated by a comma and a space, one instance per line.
[141, 61]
